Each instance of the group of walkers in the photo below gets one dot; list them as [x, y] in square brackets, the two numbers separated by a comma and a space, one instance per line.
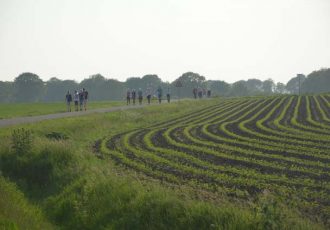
[80, 98]
[131, 95]
[201, 92]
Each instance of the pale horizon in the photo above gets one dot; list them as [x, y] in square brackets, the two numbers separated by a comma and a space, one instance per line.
[221, 40]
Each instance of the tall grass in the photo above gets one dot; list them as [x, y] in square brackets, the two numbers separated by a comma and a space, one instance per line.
[112, 203]
[39, 167]
[16, 212]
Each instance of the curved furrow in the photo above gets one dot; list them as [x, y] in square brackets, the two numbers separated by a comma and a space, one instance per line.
[296, 178]
[302, 120]
[323, 108]
[197, 114]
[230, 188]
[315, 115]
[286, 125]
[205, 113]
[259, 151]
[155, 166]
[327, 99]
[278, 129]
[161, 162]
[223, 135]
[273, 125]
[239, 158]
[224, 112]
[290, 123]
[261, 134]
[158, 143]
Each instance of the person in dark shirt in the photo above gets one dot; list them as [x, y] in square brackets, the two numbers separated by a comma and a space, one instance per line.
[68, 99]
[133, 96]
[200, 92]
[140, 96]
[195, 92]
[168, 95]
[159, 94]
[148, 93]
[85, 93]
[81, 99]
[128, 97]
[208, 93]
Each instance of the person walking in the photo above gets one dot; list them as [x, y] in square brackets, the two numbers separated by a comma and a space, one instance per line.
[133, 96]
[200, 92]
[140, 96]
[195, 92]
[81, 99]
[128, 97]
[85, 92]
[148, 93]
[68, 98]
[209, 93]
[168, 95]
[159, 94]
[76, 99]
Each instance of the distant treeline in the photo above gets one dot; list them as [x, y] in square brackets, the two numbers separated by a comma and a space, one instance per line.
[28, 87]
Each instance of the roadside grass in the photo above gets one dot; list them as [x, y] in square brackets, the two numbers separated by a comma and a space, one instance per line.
[77, 190]
[10, 110]
[16, 212]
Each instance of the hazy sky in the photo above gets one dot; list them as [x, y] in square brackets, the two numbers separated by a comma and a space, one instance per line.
[221, 39]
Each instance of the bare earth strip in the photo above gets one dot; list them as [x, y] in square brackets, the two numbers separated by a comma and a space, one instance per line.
[24, 120]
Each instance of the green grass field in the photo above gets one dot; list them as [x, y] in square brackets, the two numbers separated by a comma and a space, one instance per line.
[241, 163]
[10, 110]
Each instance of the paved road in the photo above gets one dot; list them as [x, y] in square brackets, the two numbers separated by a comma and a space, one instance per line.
[32, 119]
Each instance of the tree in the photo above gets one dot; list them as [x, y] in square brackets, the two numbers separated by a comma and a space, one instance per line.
[56, 89]
[189, 81]
[6, 91]
[97, 87]
[317, 82]
[116, 89]
[254, 86]
[135, 83]
[268, 86]
[152, 81]
[280, 88]
[28, 87]
[293, 85]
[220, 88]
[239, 89]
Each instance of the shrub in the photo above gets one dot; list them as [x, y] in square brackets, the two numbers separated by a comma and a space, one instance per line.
[39, 171]
[22, 141]
[57, 136]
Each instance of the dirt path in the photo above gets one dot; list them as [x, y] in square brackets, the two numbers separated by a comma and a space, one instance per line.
[32, 119]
